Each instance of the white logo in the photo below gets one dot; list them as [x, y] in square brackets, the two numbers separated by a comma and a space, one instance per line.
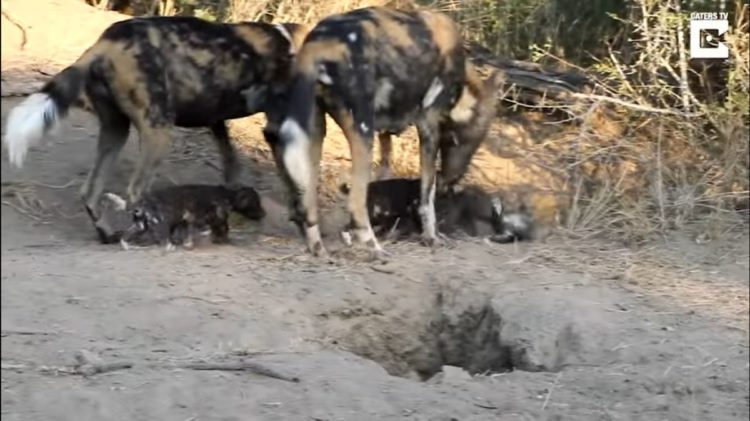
[705, 30]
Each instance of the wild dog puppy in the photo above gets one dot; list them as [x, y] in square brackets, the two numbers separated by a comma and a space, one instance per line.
[460, 208]
[466, 207]
[156, 73]
[390, 203]
[171, 216]
[372, 70]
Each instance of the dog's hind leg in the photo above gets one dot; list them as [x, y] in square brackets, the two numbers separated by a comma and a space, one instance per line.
[386, 144]
[427, 128]
[155, 143]
[228, 153]
[359, 133]
[112, 137]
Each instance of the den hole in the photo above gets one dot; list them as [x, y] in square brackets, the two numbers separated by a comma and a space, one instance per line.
[420, 341]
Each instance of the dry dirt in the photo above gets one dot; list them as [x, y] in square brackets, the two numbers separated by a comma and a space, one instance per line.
[550, 330]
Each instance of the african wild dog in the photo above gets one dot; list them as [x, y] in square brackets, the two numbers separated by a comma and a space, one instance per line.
[372, 70]
[461, 134]
[393, 205]
[172, 215]
[155, 73]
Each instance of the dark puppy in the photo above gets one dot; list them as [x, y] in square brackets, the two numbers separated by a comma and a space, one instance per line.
[466, 208]
[391, 203]
[172, 215]
[460, 208]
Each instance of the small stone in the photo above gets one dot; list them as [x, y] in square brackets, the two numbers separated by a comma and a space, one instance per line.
[453, 374]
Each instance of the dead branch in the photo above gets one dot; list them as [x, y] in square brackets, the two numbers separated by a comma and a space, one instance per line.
[244, 365]
[89, 364]
[23, 332]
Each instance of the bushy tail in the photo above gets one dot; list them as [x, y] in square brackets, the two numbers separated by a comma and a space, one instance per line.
[41, 112]
[295, 131]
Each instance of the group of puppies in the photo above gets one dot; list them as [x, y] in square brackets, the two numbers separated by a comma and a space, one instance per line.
[393, 208]
[173, 216]
[375, 71]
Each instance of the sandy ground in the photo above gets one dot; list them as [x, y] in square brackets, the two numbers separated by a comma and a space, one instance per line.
[550, 330]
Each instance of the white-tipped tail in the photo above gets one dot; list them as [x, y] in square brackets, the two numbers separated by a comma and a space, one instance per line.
[296, 156]
[27, 124]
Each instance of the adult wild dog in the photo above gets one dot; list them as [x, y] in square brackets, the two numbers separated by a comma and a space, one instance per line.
[156, 73]
[461, 133]
[372, 70]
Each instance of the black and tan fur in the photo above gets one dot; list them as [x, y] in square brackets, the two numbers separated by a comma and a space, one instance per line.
[391, 203]
[171, 216]
[155, 73]
[461, 134]
[372, 70]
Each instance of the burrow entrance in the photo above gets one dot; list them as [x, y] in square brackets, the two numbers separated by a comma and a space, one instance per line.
[417, 340]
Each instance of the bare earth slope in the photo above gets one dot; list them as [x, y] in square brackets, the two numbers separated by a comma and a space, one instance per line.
[553, 330]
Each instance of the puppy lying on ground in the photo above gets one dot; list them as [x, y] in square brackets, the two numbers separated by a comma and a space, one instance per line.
[467, 207]
[391, 202]
[395, 202]
[171, 216]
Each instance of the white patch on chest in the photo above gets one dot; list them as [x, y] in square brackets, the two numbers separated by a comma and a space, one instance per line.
[383, 94]
[463, 111]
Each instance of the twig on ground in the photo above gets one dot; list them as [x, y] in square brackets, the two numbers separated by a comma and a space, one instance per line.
[251, 366]
[24, 332]
[40, 184]
[376, 268]
[549, 393]
[391, 271]
[190, 297]
[21, 211]
[88, 364]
